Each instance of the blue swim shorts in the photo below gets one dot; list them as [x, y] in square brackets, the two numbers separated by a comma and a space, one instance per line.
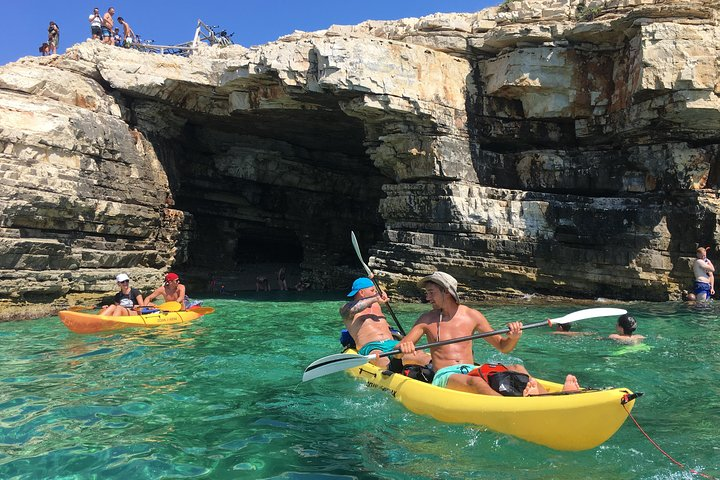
[443, 375]
[702, 287]
[383, 345]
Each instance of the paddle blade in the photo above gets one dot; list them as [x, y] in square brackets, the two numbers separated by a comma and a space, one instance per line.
[170, 307]
[202, 310]
[588, 313]
[334, 363]
[353, 238]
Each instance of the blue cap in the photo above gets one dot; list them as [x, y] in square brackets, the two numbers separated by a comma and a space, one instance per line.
[359, 284]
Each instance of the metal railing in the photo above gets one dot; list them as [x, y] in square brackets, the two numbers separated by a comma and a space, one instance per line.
[203, 34]
[206, 33]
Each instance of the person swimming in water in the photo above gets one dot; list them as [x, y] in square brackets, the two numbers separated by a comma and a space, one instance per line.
[564, 329]
[626, 325]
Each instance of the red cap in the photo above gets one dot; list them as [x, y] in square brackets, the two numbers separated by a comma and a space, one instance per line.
[171, 277]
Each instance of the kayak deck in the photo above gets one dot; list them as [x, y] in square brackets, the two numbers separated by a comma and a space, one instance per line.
[562, 421]
[80, 322]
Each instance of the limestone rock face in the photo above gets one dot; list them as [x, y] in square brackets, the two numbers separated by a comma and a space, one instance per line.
[561, 148]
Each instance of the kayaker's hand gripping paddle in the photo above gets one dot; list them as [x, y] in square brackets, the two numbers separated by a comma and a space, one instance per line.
[343, 361]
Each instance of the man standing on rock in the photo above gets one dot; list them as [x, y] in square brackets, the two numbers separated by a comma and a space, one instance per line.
[704, 278]
[95, 24]
[107, 26]
[128, 34]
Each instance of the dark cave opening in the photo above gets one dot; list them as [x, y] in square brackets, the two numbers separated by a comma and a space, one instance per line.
[267, 245]
[282, 196]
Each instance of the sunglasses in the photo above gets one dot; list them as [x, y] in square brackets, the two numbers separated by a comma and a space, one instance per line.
[124, 281]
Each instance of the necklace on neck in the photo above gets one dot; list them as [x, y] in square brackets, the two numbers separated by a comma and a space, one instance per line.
[438, 326]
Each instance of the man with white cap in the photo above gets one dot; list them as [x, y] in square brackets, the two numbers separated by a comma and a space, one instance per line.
[453, 363]
[125, 300]
[366, 324]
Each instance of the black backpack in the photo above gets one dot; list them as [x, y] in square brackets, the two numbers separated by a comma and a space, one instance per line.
[423, 373]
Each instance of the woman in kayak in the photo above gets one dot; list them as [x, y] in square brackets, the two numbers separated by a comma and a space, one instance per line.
[454, 363]
[171, 290]
[125, 300]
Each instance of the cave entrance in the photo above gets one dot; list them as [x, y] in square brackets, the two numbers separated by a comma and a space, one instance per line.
[267, 245]
[276, 189]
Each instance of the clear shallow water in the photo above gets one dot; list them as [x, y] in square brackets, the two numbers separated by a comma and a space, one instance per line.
[222, 398]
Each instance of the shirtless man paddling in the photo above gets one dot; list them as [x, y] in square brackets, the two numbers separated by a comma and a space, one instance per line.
[171, 290]
[454, 361]
[364, 320]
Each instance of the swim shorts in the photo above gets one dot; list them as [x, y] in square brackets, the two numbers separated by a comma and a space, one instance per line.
[443, 375]
[383, 345]
[702, 287]
[106, 32]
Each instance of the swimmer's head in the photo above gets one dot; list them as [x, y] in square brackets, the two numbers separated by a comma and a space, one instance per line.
[627, 323]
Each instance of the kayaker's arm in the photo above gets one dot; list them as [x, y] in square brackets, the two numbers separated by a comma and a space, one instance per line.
[350, 309]
[139, 299]
[504, 344]
[151, 297]
[407, 344]
[181, 295]
[507, 344]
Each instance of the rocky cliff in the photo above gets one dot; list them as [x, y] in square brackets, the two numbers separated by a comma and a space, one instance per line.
[561, 148]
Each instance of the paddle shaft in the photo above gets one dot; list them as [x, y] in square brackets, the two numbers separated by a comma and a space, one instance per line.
[343, 361]
[545, 323]
[372, 277]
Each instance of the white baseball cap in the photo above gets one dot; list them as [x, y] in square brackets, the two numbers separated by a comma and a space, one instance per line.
[122, 278]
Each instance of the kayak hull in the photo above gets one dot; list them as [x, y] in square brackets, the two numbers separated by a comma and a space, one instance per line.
[577, 421]
[80, 322]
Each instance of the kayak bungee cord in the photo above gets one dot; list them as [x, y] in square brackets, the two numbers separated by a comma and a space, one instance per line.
[695, 472]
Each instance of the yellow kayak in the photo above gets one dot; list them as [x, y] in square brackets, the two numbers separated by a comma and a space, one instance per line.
[80, 322]
[563, 421]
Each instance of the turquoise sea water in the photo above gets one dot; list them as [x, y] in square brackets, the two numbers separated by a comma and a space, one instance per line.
[222, 398]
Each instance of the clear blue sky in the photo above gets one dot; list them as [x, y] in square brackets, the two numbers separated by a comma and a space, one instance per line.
[23, 25]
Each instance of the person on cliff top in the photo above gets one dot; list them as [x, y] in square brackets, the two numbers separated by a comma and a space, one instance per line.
[704, 276]
[368, 327]
[172, 291]
[625, 327]
[53, 37]
[107, 26]
[117, 39]
[95, 24]
[125, 300]
[454, 363]
[128, 34]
